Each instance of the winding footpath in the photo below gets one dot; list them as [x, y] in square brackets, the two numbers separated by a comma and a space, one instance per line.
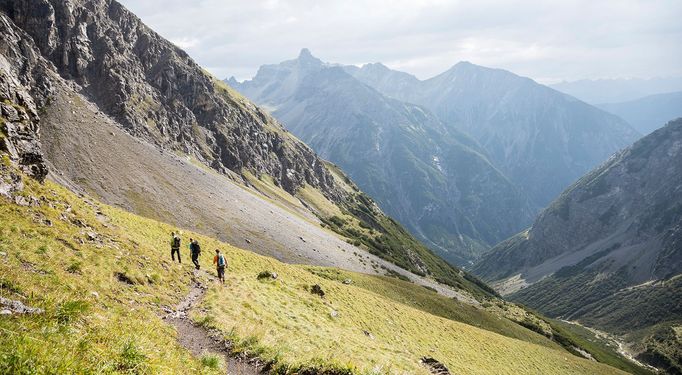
[201, 341]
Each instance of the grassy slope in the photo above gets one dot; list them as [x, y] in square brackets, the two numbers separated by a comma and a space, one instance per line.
[567, 335]
[421, 298]
[57, 268]
[390, 241]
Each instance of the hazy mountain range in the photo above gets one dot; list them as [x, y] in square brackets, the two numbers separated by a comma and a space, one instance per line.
[600, 91]
[541, 139]
[434, 179]
[464, 166]
[648, 113]
[588, 252]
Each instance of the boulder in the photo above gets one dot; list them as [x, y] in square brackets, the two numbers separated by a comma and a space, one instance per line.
[18, 307]
[317, 289]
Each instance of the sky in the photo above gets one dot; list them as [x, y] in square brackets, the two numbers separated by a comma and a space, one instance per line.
[547, 40]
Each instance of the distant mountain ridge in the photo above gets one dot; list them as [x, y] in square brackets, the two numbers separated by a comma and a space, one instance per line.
[434, 179]
[598, 91]
[541, 139]
[648, 113]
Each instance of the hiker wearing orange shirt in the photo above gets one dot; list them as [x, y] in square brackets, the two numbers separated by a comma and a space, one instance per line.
[221, 263]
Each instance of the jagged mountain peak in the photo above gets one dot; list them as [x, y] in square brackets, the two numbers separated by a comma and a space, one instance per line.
[382, 78]
[232, 81]
[305, 54]
[306, 59]
[465, 70]
[378, 66]
[467, 65]
[378, 72]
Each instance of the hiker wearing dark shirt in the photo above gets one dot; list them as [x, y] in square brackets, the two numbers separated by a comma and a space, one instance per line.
[195, 250]
[221, 263]
[175, 246]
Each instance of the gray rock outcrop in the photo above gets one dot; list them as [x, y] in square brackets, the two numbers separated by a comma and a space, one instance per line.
[21, 68]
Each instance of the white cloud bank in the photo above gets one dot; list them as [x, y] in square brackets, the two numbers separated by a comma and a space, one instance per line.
[545, 40]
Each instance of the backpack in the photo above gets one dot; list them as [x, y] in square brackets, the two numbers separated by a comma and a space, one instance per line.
[221, 260]
[176, 241]
[197, 248]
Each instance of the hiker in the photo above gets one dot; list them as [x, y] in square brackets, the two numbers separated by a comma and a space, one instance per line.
[190, 246]
[195, 250]
[219, 261]
[175, 246]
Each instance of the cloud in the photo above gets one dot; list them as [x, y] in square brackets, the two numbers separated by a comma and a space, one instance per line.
[550, 41]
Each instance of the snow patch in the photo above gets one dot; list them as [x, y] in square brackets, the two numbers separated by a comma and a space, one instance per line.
[436, 162]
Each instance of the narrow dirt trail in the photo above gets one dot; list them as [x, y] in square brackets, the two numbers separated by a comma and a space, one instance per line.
[199, 340]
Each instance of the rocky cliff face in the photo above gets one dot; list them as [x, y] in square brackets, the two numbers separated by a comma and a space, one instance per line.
[23, 89]
[435, 180]
[158, 93]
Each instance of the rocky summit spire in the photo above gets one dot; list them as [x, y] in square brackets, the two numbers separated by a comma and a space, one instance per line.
[307, 59]
[305, 54]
